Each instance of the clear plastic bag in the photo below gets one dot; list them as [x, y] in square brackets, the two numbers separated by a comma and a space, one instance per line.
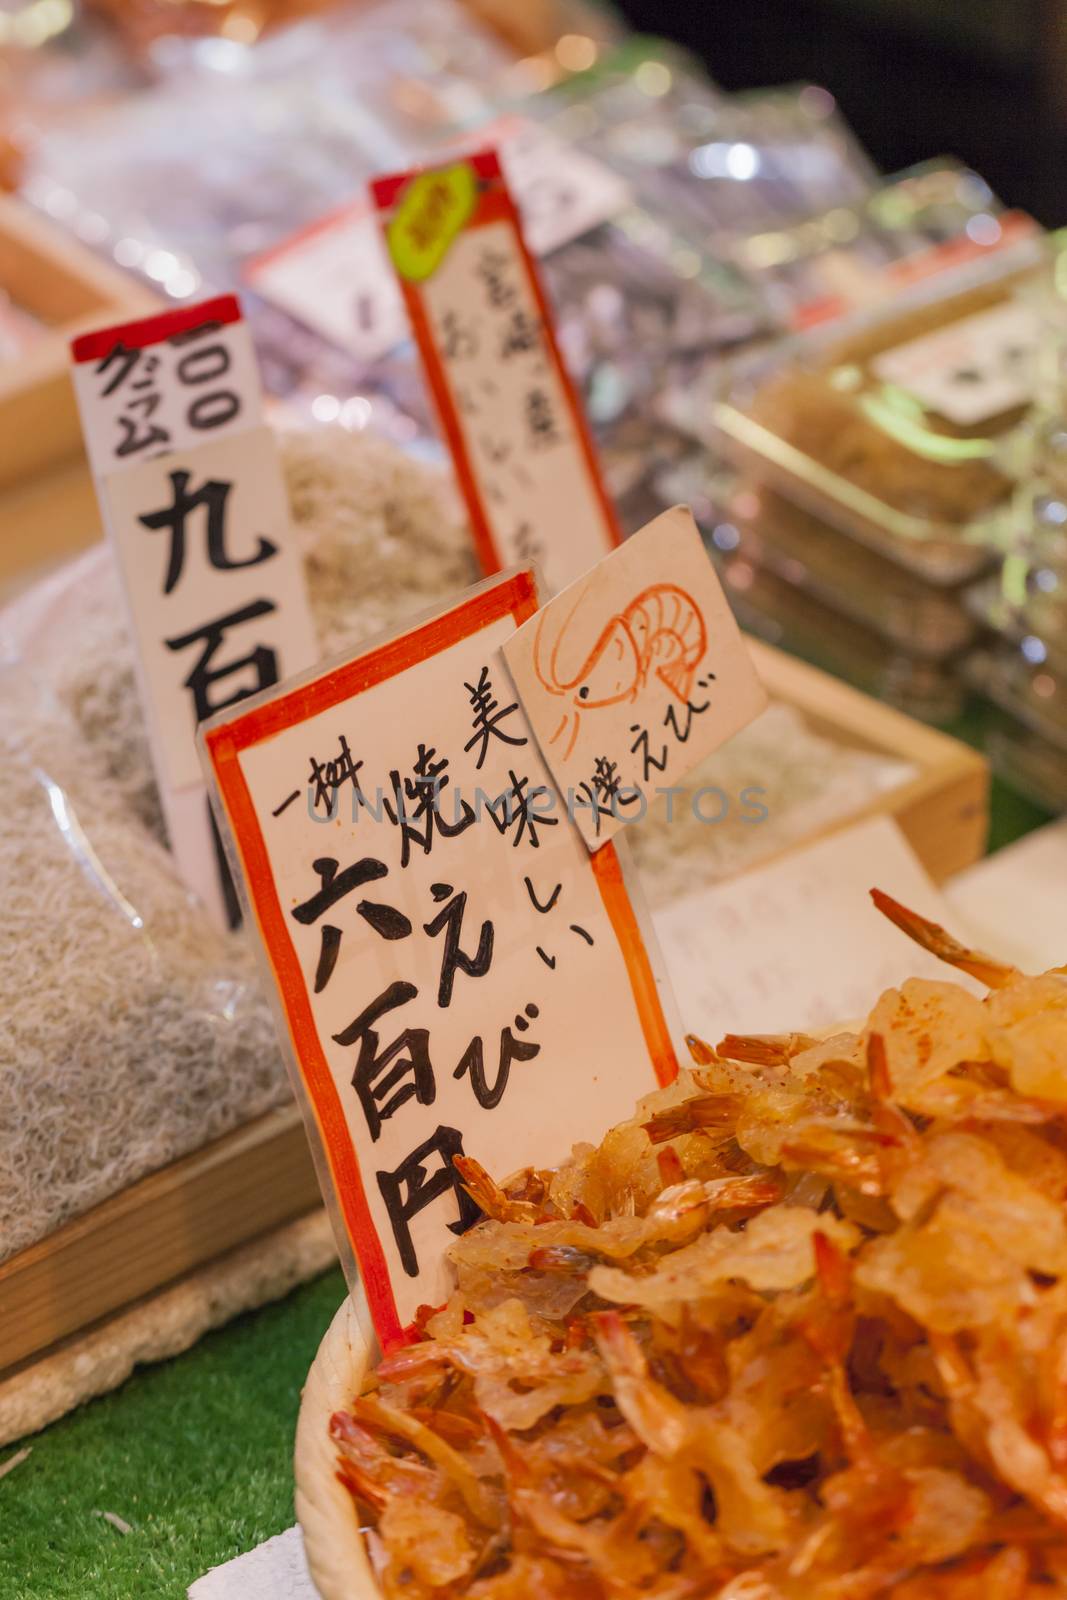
[134, 1032]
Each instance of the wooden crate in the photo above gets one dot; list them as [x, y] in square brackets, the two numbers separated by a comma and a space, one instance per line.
[47, 506]
[262, 1176]
[943, 811]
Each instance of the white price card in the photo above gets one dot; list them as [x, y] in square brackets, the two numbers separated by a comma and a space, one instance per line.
[634, 674]
[798, 945]
[198, 518]
[168, 382]
[519, 443]
[435, 930]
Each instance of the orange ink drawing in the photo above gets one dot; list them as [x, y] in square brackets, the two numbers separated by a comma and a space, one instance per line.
[661, 634]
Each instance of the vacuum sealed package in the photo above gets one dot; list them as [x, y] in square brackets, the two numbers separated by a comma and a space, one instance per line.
[926, 621]
[916, 222]
[719, 167]
[775, 609]
[188, 183]
[900, 426]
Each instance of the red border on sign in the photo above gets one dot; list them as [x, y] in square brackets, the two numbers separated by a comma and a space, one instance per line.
[494, 204]
[154, 329]
[515, 597]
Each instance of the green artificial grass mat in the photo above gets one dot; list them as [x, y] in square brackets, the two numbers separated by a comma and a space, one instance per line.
[196, 1455]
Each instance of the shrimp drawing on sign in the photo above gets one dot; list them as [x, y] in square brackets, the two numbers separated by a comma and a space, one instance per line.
[661, 634]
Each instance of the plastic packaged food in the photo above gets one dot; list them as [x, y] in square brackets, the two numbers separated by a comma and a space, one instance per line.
[719, 167]
[853, 255]
[783, 615]
[899, 425]
[927, 622]
[1034, 693]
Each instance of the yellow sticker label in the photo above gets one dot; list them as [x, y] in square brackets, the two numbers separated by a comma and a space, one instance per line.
[433, 209]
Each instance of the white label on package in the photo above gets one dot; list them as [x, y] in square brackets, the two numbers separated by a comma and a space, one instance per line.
[168, 382]
[970, 370]
[435, 930]
[560, 191]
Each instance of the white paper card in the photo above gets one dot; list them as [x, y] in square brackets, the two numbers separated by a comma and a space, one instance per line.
[435, 929]
[218, 608]
[336, 279]
[165, 383]
[798, 945]
[192, 496]
[275, 1570]
[513, 412]
[634, 674]
[972, 369]
[215, 585]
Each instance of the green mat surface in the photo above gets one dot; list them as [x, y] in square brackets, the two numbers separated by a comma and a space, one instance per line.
[196, 1455]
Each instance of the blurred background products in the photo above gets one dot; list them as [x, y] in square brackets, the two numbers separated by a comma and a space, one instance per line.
[838, 369]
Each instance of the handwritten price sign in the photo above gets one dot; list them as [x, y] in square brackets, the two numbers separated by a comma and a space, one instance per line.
[521, 451]
[435, 929]
[192, 495]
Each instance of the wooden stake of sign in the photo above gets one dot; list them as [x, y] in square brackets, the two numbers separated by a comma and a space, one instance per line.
[191, 492]
[519, 443]
[434, 929]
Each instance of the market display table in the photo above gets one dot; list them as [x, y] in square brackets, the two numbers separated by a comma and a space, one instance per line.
[195, 1456]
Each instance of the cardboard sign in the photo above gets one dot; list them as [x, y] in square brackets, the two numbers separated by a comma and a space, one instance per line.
[336, 277]
[192, 495]
[519, 445]
[634, 674]
[435, 932]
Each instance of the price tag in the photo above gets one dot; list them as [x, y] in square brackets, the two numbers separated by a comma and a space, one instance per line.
[633, 675]
[435, 930]
[519, 444]
[168, 382]
[198, 518]
[560, 191]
